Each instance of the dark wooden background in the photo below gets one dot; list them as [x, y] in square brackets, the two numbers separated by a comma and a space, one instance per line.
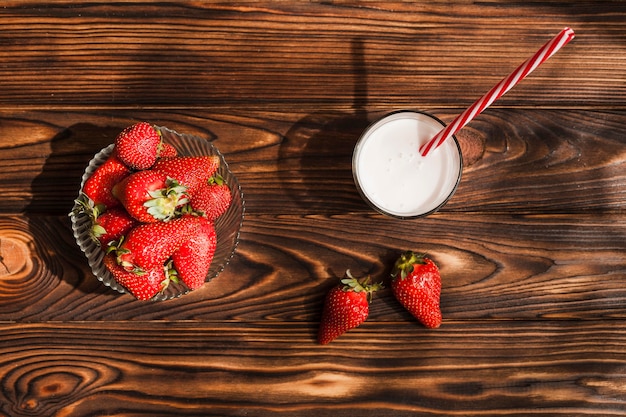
[532, 248]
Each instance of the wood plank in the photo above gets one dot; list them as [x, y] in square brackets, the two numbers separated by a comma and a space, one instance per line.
[547, 368]
[531, 247]
[534, 161]
[305, 54]
[493, 266]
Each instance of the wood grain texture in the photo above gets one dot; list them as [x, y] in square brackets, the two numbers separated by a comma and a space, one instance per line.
[493, 266]
[306, 54]
[531, 247]
[534, 161]
[550, 368]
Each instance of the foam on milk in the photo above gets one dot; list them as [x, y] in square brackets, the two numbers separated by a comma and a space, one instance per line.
[392, 174]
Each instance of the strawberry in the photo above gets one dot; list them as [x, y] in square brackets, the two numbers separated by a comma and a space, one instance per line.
[106, 226]
[138, 145]
[346, 306]
[193, 260]
[149, 196]
[142, 285]
[167, 151]
[111, 225]
[150, 244]
[190, 171]
[416, 283]
[211, 199]
[98, 187]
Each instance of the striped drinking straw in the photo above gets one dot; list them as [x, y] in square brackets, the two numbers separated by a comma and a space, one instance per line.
[498, 91]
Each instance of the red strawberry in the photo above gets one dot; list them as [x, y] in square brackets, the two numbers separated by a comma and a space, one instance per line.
[138, 145]
[143, 285]
[149, 196]
[190, 171]
[167, 151]
[111, 225]
[193, 260]
[346, 306]
[212, 198]
[150, 244]
[416, 283]
[98, 187]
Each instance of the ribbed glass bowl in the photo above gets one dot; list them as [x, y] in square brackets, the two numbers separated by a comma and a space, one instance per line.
[227, 225]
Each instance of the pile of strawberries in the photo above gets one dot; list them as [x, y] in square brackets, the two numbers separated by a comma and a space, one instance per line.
[152, 212]
[415, 283]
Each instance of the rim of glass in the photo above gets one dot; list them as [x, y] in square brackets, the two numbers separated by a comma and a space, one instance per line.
[355, 176]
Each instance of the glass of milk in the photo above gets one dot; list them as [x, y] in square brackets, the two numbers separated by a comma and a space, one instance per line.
[391, 174]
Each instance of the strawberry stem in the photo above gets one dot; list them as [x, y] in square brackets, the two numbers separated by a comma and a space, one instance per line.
[406, 263]
[86, 206]
[354, 284]
[163, 202]
[216, 179]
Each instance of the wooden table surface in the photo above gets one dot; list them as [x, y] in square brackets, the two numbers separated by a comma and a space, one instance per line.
[532, 247]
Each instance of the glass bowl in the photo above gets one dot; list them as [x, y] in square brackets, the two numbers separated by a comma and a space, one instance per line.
[227, 226]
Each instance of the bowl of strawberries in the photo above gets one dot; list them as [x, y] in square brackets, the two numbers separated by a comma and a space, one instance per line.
[158, 213]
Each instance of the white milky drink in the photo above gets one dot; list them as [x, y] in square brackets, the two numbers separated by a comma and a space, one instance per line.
[392, 175]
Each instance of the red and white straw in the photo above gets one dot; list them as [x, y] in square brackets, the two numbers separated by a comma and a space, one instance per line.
[498, 91]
